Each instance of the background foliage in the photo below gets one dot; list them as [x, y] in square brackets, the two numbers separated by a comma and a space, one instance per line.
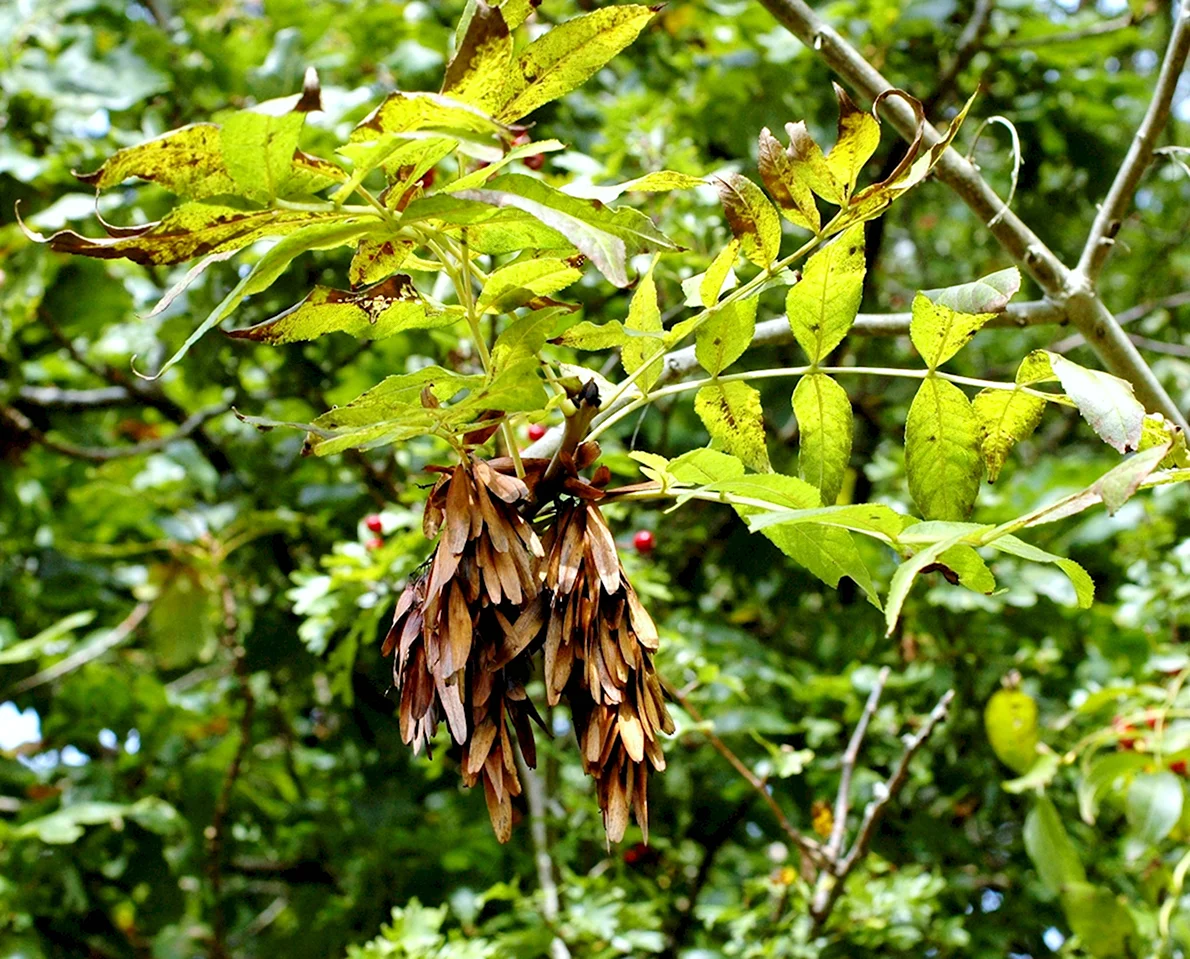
[116, 763]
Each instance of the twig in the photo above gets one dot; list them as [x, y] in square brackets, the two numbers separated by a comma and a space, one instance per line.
[103, 454]
[1070, 36]
[829, 888]
[834, 845]
[969, 43]
[1140, 152]
[215, 832]
[538, 802]
[68, 400]
[1131, 315]
[85, 655]
[1159, 346]
[804, 843]
[1085, 310]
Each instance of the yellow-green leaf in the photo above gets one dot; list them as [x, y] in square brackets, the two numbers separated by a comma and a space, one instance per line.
[938, 332]
[752, 218]
[942, 451]
[377, 257]
[810, 166]
[1005, 418]
[824, 422]
[823, 304]
[859, 135]
[726, 334]
[711, 286]
[565, 57]
[732, 414]
[477, 71]
[409, 112]
[793, 196]
[395, 395]
[187, 161]
[1084, 586]
[375, 312]
[258, 150]
[644, 316]
[516, 284]
[659, 181]
[1010, 721]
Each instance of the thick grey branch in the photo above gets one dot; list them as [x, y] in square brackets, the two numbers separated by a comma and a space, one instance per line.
[1140, 152]
[1085, 310]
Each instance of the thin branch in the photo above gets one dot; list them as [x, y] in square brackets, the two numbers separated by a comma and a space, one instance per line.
[829, 889]
[970, 42]
[68, 400]
[1070, 36]
[1131, 315]
[834, 845]
[1085, 310]
[807, 845]
[1140, 153]
[1159, 346]
[216, 832]
[103, 454]
[86, 654]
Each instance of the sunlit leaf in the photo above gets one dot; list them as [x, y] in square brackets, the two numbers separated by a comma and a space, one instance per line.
[942, 457]
[718, 274]
[1010, 721]
[569, 54]
[824, 303]
[732, 414]
[752, 218]
[377, 257]
[1154, 805]
[1049, 847]
[824, 422]
[726, 334]
[516, 284]
[938, 332]
[809, 164]
[1084, 587]
[859, 135]
[644, 316]
[1005, 418]
[659, 181]
[988, 294]
[477, 71]
[791, 193]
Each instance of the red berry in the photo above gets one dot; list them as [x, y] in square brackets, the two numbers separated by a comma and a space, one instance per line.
[374, 544]
[521, 139]
[1151, 720]
[536, 431]
[1179, 767]
[644, 541]
[374, 524]
[427, 179]
[535, 162]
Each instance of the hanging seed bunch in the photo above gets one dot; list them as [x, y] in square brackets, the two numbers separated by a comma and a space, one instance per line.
[599, 645]
[451, 628]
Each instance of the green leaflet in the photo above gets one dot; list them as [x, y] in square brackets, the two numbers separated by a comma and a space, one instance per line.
[824, 421]
[565, 57]
[477, 178]
[258, 150]
[405, 161]
[659, 181]
[752, 218]
[875, 518]
[524, 337]
[644, 316]
[702, 466]
[942, 456]
[1049, 847]
[408, 112]
[1158, 431]
[384, 309]
[1005, 418]
[517, 388]
[516, 284]
[859, 135]
[793, 196]
[988, 294]
[323, 234]
[828, 552]
[732, 414]
[396, 395]
[1101, 921]
[377, 257]
[907, 572]
[969, 567]
[1084, 587]
[598, 336]
[607, 236]
[711, 286]
[189, 231]
[824, 303]
[938, 332]
[477, 71]
[187, 161]
[726, 334]
[1010, 721]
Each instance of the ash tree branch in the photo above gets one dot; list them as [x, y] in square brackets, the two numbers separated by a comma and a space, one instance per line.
[1071, 289]
[103, 454]
[1070, 36]
[1140, 153]
[538, 801]
[834, 845]
[832, 879]
[72, 401]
